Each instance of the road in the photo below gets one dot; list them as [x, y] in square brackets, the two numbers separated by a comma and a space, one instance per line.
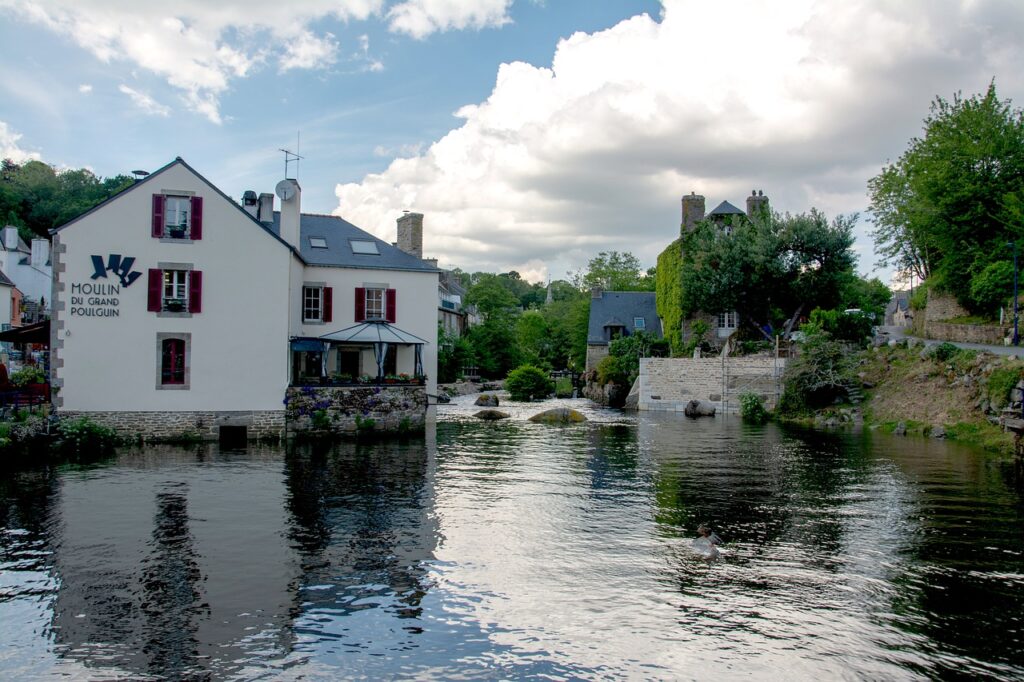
[899, 333]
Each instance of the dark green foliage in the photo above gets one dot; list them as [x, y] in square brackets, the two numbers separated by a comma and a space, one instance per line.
[528, 382]
[453, 353]
[943, 352]
[611, 370]
[29, 374]
[752, 408]
[919, 299]
[615, 271]
[819, 375]
[868, 295]
[993, 286]
[769, 268]
[495, 346]
[947, 208]
[37, 197]
[842, 326]
[1000, 383]
[83, 436]
[563, 387]
[629, 349]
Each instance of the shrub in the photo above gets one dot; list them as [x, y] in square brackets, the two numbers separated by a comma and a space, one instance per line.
[29, 374]
[842, 326]
[752, 408]
[610, 371]
[819, 375]
[85, 436]
[527, 382]
[321, 420]
[943, 352]
[1000, 383]
[563, 387]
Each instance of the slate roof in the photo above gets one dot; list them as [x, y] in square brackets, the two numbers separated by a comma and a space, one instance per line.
[338, 232]
[5, 280]
[725, 208]
[616, 306]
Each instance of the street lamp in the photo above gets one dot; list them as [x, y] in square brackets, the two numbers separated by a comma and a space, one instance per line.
[1016, 335]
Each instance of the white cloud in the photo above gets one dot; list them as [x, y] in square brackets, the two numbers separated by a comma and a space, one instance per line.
[10, 149]
[200, 46]
[420, 18]
[804, 99]
[401, 150]
[147, 104]
[85, 88]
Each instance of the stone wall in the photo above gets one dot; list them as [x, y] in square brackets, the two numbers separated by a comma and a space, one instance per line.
[350, 410]
[595, 353]
[172, 426]
[670, 383]
[969, 333]
[942, 307]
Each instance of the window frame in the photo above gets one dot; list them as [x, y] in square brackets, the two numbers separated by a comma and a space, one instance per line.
[183, 285]
[178, 200]
[382, 293]
[308, 289]
[185, 339]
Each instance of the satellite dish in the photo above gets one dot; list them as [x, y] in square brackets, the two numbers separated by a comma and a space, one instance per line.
[285, 189]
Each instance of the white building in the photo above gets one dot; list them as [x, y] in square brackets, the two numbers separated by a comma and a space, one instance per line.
[178, 311]
[29, 268]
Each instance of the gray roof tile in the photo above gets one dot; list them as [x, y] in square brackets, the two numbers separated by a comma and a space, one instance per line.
[621, 307]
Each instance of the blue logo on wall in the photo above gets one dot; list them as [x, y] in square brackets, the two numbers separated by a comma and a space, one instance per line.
[122, 267]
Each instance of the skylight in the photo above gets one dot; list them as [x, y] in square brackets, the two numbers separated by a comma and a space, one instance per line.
[318, 242]
[364, 246]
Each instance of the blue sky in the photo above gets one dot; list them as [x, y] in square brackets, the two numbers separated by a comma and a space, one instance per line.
[531, 134]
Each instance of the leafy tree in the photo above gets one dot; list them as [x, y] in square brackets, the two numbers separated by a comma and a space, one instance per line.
[534, 335]
[993, 286]
[495, 346]
[528, 382]
[947, 208]
[818, 375]
[453, 353]
[491, 297]
[614, 271]
[869, 295]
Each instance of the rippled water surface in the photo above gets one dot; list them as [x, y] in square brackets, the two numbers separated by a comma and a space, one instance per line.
[507, 549]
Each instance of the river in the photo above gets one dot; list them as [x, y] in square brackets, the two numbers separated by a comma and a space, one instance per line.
[498, 550]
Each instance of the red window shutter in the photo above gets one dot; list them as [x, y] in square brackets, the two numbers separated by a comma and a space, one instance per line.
[197, 218]
[158, 215]
[328, 304]
[156, 282]
[360, 304]
[392, 305]
[195, 291]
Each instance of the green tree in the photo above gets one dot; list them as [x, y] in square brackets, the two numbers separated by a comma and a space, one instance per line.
[947, 208]
[491, 297]
[614, 271]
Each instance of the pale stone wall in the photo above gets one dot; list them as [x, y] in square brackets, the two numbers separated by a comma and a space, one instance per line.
[969, 333]
[595, 354]
[942, 307]
[670, 383]
[171, 426]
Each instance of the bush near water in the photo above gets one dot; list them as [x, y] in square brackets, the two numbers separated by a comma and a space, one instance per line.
[528, 382]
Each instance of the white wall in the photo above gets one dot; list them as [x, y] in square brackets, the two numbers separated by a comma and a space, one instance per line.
[239, 342]
[416, 309]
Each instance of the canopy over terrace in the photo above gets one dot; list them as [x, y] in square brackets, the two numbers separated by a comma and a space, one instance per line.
[378, 334]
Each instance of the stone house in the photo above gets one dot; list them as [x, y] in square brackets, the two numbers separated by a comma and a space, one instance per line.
[178, 311]
[616, 314]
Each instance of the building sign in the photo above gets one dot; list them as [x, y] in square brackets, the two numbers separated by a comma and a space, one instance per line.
[102, 299]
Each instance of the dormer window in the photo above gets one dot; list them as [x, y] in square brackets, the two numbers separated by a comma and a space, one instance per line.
[318, 242]
[177, 216]
[364, 247]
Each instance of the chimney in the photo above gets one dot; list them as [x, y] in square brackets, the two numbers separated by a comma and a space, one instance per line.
[291, 214]
[40, 252]
[757, 204]
[596, 292]
[431, 261]
[410, 234]
[250, 203]
[265, 209]
[693, 211]
[10, 237]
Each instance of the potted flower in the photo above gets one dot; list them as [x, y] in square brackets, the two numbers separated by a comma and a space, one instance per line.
[390, 379]
[174, 305]
[404, 378]
[177, 231]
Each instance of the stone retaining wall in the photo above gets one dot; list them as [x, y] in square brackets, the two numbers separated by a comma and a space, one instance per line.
[968, 333]
[171, 426]
[351, 410]
[670, 383]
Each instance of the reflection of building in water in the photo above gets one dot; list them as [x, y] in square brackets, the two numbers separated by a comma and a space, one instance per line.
[364, 527]
[173, 571]
[177, 567]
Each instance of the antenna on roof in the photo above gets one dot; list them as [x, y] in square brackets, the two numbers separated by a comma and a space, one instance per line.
[139, 174]
[290, 156]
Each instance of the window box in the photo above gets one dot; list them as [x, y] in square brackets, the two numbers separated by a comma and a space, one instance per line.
[174, 305]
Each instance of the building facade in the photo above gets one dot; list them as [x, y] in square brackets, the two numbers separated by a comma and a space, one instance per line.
[176, 311]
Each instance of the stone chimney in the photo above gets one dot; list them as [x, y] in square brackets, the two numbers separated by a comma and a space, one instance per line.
[250, 203]
[291, 214]
[757, 204]
[410, 234]
[596, 292]
[10, 237]
[40, 252]
[265, 209]
[693, 211]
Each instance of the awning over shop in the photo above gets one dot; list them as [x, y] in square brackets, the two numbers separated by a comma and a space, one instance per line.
[32, 333]
[309, 345]
[373, 332]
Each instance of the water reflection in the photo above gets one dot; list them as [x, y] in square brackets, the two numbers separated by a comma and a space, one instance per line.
[519, 550]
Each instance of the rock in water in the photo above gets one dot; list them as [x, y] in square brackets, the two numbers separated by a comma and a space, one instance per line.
[487, 400]
[560, 415]
[491, 415]
[699, 408]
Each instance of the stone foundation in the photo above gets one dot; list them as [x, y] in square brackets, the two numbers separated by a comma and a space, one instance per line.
[389, 409]
[173, 426]
[671, 383]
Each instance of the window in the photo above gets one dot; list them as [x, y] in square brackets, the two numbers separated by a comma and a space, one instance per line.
[376, 303]
[363, 246]
[639, 323]
[318, 242]
[177, 216]
[173, 353]
[727, 320]
[317, 303]
[172, 363]
[175, 289]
